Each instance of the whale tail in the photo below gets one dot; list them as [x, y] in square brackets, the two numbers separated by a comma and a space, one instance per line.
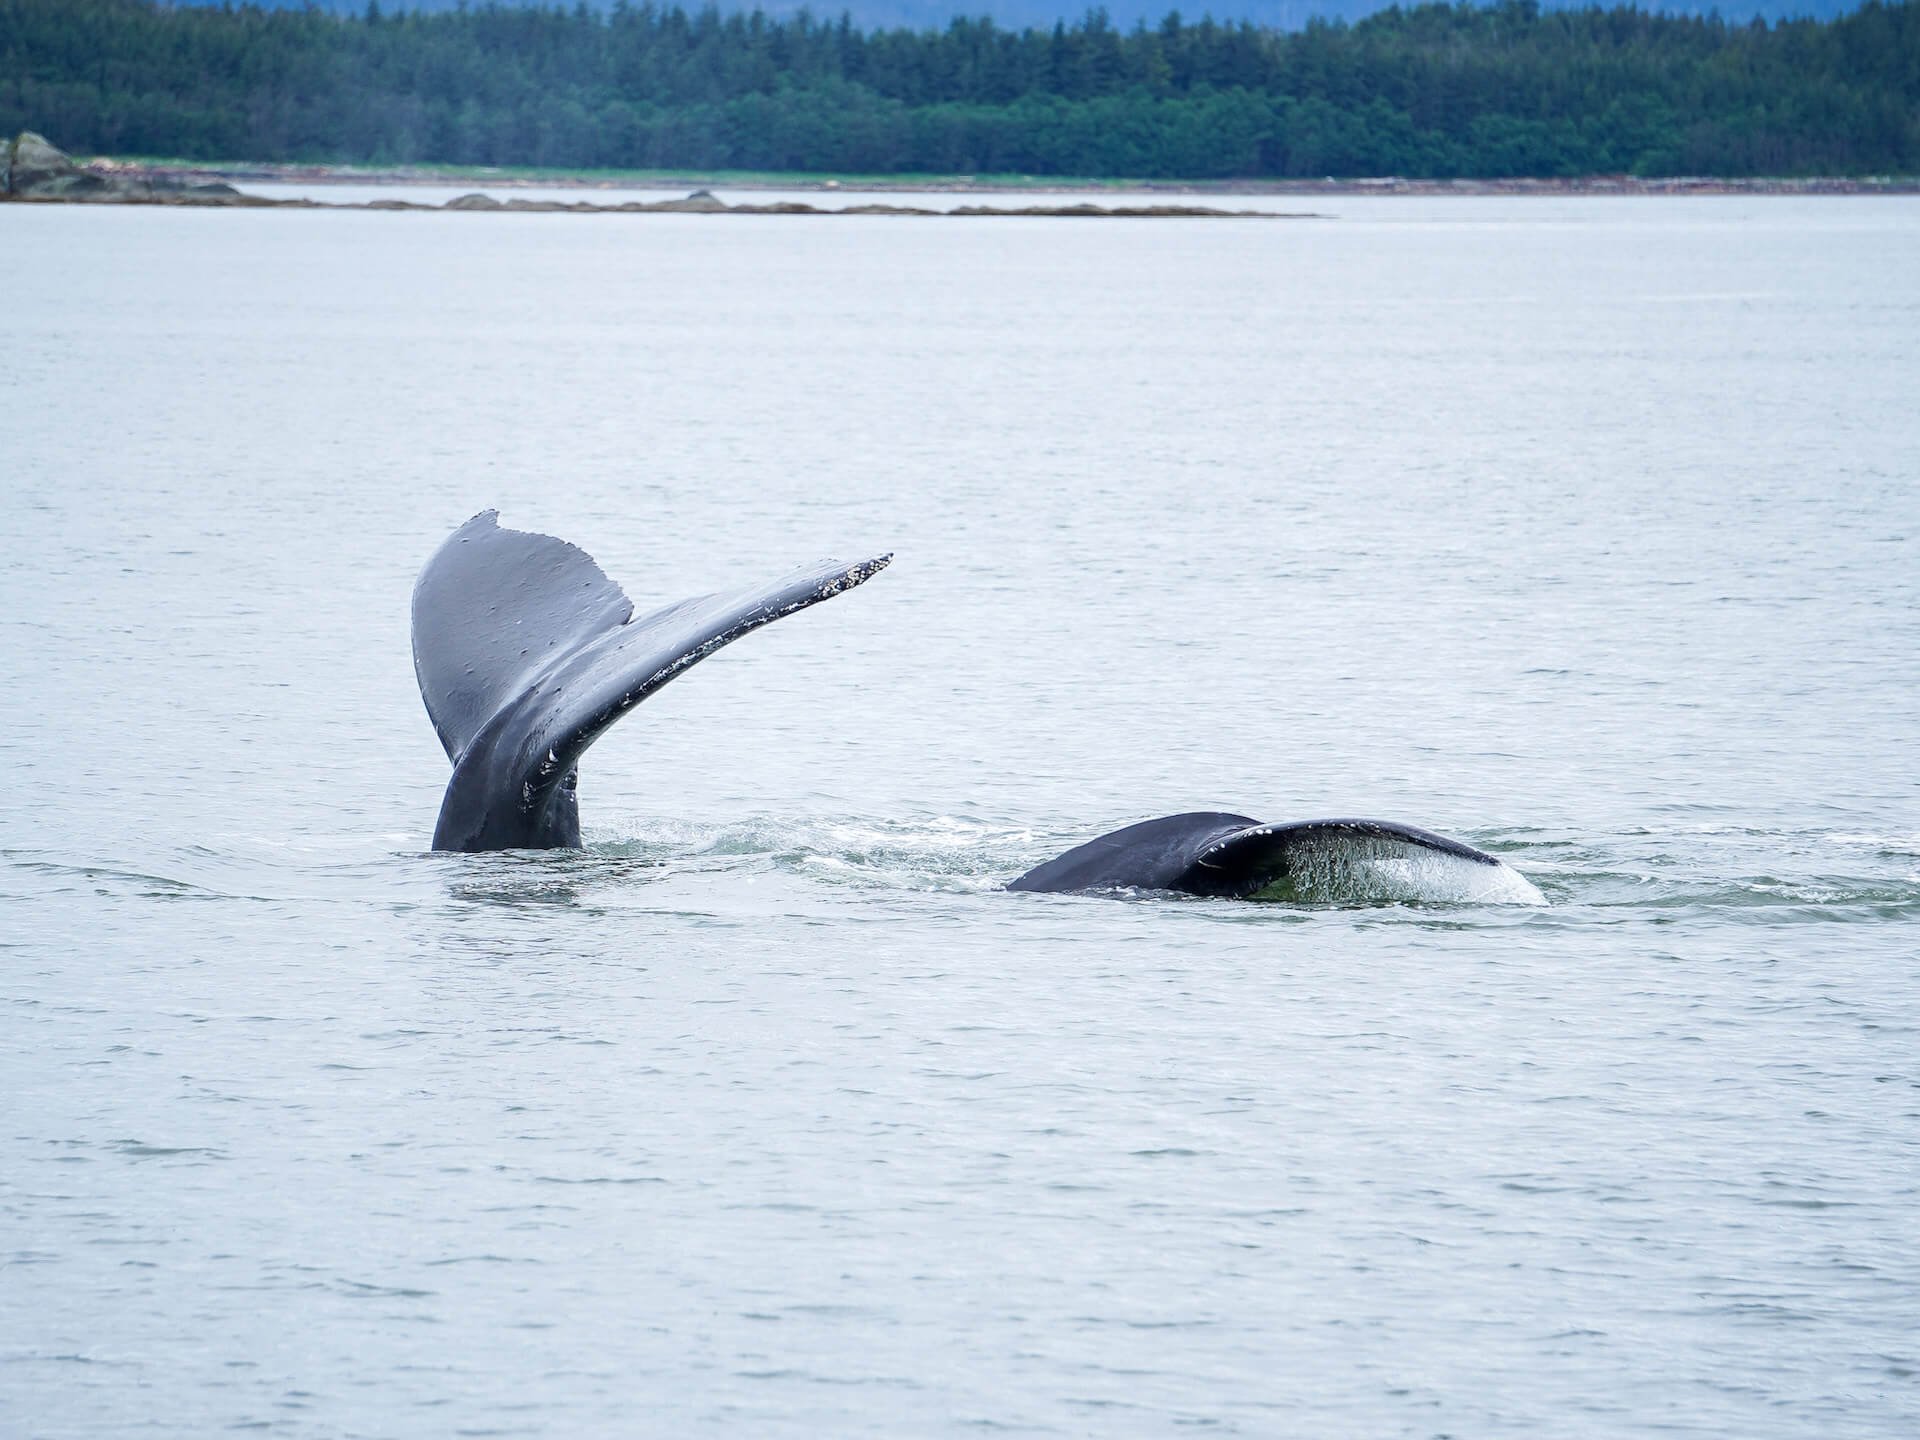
[526, 652]
[1236, 857]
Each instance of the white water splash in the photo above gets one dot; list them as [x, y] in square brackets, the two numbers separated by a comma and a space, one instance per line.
[1345, 871]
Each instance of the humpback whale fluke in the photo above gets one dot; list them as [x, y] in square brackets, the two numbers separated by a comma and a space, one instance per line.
[1237, 857]
[526, 652]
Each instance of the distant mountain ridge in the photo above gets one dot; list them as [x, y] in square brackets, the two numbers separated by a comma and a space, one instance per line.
[1124, 14]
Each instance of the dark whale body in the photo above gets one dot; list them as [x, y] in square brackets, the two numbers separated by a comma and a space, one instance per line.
[526, 652]
[1227, 856]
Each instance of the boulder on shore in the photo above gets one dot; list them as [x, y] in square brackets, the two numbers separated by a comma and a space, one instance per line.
[33, 168]
[700, 202]
[37, 167]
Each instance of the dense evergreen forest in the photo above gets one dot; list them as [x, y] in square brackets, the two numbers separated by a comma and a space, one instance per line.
[1435, 91]
[1019, 14]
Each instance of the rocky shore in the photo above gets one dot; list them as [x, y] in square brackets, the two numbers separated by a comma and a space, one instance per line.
[34, 171]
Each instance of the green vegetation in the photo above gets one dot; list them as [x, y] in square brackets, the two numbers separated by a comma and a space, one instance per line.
[1431, 92]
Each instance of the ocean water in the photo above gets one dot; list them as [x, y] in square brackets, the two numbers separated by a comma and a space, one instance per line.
[1586, 531]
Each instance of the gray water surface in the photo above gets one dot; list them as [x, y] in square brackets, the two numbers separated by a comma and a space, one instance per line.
[1584, 530]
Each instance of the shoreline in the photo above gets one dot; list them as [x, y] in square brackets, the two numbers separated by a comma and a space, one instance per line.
[516, 178]
[35, 172]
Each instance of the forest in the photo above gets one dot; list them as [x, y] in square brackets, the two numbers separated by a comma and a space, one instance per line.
[1434, 91]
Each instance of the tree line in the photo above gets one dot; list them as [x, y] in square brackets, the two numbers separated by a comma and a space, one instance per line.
[1433, 91]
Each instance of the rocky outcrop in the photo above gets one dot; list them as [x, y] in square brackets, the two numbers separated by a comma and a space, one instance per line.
[33, 168]
[37, 168]
[700, 202]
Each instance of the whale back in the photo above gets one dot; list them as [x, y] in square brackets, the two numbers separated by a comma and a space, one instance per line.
[493, 610]
[1153, 855]
[1233, 857]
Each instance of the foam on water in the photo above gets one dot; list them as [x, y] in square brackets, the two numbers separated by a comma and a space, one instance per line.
[1375, 871]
